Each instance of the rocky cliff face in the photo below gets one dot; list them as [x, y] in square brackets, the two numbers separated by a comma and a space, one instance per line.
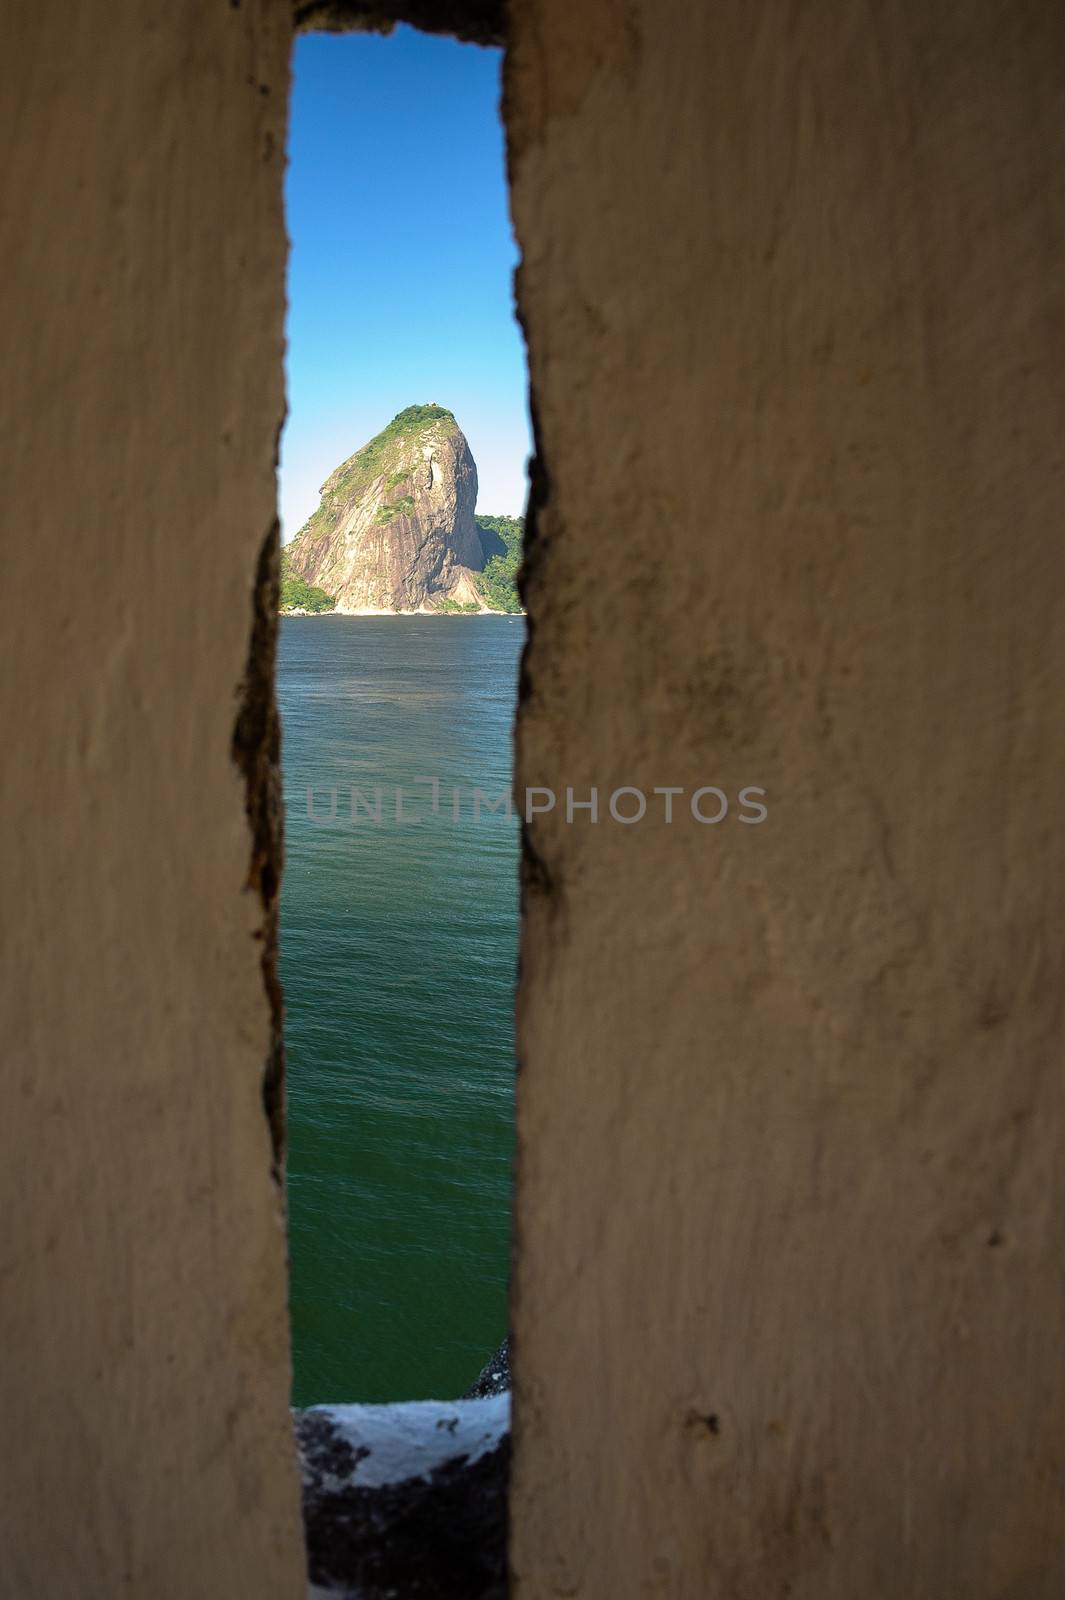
[395, 529]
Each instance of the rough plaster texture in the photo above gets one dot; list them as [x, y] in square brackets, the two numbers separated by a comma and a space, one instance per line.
[789, 1305]
[144, 1370]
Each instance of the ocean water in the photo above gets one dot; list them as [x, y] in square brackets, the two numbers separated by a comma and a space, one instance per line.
[398, 953]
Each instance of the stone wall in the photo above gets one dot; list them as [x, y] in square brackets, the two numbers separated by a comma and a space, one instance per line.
[144, 1369]
[789, 1304]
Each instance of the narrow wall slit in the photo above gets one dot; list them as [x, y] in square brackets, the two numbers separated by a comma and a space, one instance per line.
[397, 667]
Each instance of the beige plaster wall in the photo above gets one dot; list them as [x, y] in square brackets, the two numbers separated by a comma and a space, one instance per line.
[789, 1308]
[143, 1340]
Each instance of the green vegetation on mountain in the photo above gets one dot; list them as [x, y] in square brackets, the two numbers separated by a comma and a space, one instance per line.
[299, 595]
[359, 470]
[497, 582]
[394, 507]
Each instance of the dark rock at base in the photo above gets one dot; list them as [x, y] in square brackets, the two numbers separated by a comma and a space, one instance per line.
[436, 1530]
[495, 1377]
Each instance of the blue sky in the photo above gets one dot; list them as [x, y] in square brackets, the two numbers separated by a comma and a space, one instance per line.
[400, 273]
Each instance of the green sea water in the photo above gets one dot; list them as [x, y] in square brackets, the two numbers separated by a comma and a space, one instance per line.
[398, 953]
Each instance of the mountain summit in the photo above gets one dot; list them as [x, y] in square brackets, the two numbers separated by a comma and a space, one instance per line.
[395, 529]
